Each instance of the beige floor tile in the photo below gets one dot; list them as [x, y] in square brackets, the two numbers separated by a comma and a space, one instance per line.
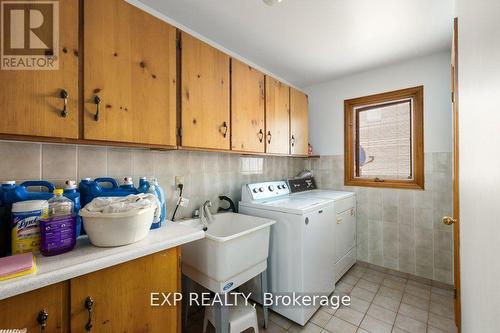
[442, 323]
[368, 285]
[280, 320]
[421, 284]
[272, 327]
[344, 287]
[350, 279]
[398, 330]
[350, 315]
[363, 294]
[359, 305]
[414, 312]
[388, 282]
[431, 329]
[360, 330]
[416, 301]
[443, 310]
[441, 291]
[308, 328]
[389, 292]
[417, 291]
[410, 325]
[337, 325]
[381, 313]
[445, 300]
[373, 276]
[328, 309]
[387, 302]
[373, 325]
[321, 318]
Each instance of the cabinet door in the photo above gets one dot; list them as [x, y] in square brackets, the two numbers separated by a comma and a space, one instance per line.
[122, 296]
[247, 108]
[298, 123]
[23, 311]
[30, 100]
[130, 65]
[277, 116]
[205, 95]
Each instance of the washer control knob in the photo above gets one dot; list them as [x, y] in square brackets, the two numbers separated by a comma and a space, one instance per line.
[284, 186]
[255, 190]
[279, 187]
[261, 189]
[271, 188]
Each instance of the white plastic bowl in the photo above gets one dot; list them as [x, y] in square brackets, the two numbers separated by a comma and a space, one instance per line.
[116, 229]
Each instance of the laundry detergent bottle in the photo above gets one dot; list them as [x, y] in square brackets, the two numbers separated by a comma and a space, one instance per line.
[71, 192]
[161, 197]
[58, 230]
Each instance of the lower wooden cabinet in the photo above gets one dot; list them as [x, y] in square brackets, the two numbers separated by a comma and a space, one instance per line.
[46, 306]
[115, 299]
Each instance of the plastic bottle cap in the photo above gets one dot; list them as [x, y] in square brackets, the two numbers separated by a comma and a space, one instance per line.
[29, 205]
[58, 191]
[8, 182]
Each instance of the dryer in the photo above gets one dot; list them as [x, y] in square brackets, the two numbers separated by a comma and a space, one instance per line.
[345, 220]
[301, 254]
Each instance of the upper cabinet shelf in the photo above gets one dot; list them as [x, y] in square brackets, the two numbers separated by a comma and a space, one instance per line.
[144, 83]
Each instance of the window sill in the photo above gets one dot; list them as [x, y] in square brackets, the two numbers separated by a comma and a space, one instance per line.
[408, 185]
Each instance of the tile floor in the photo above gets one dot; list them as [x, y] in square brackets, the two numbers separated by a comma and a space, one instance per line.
[381, 302]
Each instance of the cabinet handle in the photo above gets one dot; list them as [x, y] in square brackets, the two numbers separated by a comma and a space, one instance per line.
[269, 137]
[64, 95]
[223, 129]
[89, 305]
[339, 221]
[97, 102]
[42, 318]
[293, 140]
[261, 135]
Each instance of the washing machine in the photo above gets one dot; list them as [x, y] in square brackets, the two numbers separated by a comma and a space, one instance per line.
[301, 251]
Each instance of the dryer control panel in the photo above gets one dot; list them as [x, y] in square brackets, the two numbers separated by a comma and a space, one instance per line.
[302, 184]
[267, 190]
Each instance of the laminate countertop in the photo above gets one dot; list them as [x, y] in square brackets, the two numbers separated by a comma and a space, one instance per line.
[86, 258]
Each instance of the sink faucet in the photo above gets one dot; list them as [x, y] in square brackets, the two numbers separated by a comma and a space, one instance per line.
[205, 214]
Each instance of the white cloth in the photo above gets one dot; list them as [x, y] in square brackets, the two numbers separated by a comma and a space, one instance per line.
[110, 205]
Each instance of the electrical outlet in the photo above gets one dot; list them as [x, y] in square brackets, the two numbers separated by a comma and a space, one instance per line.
[179, 180]
[183, 202]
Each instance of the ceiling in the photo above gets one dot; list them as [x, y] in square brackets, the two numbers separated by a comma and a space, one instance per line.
[310, 41]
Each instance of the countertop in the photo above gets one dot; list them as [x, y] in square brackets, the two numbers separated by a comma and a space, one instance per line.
[86, 258]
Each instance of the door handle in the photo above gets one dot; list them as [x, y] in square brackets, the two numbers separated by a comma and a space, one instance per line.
[223, 129]
[89, 305]
[42, 318]
[64, 95]
[293, 140]
[448, 220]
[97, 102]
[260, 135]
[339, 221]
[269, 137]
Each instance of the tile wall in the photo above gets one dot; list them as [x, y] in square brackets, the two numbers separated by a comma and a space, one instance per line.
[206, 175]
[401, 229]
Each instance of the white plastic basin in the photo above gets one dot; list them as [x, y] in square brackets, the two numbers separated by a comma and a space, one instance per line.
[234, 250]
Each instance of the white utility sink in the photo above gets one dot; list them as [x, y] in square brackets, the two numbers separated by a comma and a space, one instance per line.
[234, 250]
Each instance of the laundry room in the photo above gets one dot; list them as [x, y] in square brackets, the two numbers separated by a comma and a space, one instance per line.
[234, 166]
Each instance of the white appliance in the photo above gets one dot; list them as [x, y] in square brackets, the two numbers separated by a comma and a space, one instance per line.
[301, 254]
[345, 220]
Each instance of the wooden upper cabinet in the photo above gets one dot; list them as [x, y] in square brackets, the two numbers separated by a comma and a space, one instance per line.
[299, 130]
[121, 296]
[30, 100]
[205, 95]
[24, 310]
[129, 75]
[247, 108]
[277, 117]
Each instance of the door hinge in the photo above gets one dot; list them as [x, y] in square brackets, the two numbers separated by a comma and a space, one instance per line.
[455, 293]
[180, 261]
[179, 43]
[179, 131]
[452, 97]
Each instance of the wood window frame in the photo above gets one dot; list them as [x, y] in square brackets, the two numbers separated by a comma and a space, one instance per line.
[417, 140]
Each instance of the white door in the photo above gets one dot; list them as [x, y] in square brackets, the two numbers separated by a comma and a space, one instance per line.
[319, 254]
[345, 233]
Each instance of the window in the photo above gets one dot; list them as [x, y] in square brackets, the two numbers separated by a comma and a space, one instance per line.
[384, 140]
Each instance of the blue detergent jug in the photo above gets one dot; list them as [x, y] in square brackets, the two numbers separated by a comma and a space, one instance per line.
[143, 185]
[161, 196]
[90, 189]
[71, 192]
[11, 193]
